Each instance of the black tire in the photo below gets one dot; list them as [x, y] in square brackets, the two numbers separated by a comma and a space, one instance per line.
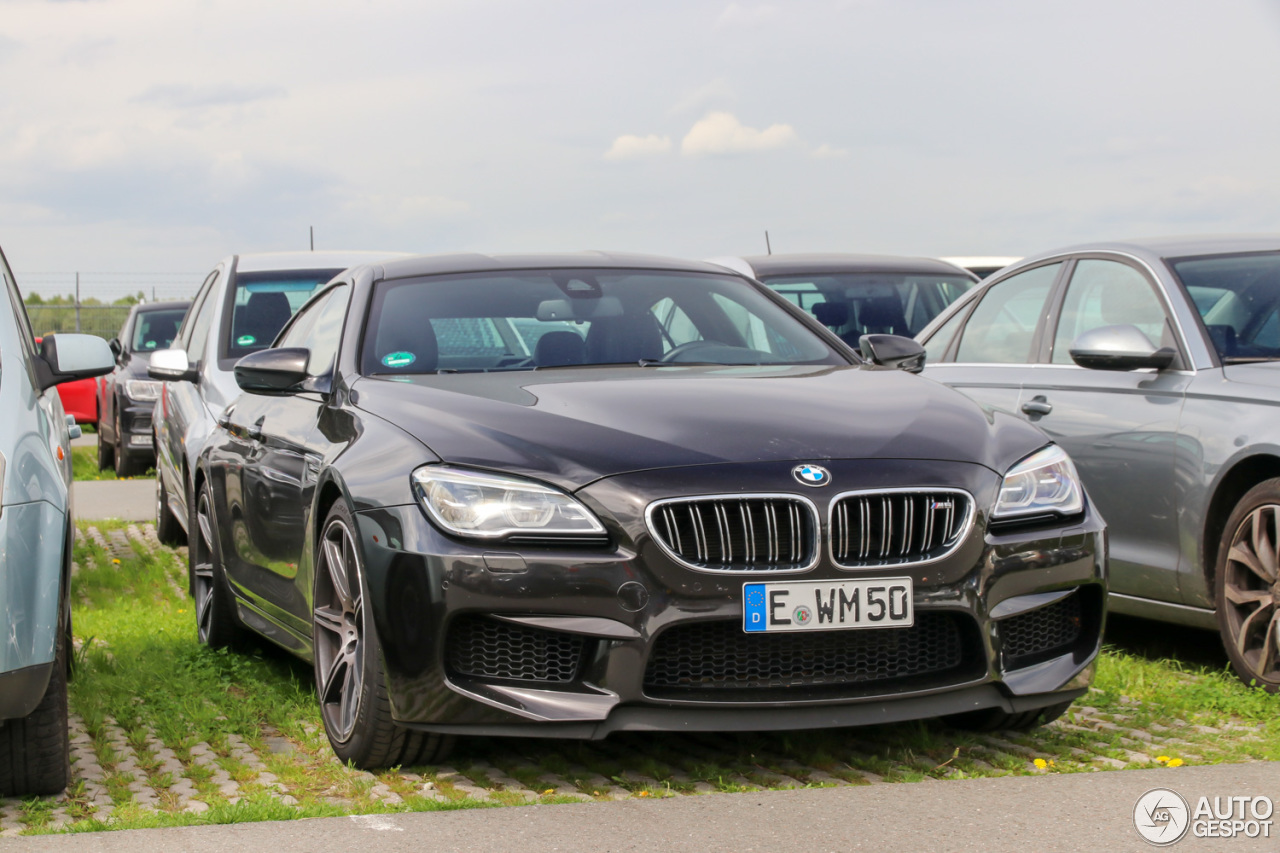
[1247, 586]
[126, 464]
[995, 719]
[35, 757]
[217, 625]
[350, 684]
[106, 453]
[168, 530]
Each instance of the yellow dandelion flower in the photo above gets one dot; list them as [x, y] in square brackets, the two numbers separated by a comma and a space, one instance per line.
[1040, 763]
[1174, 762]
[1162, 758]
[643, 794]
[549, 791]
[115, 562]
[595, 793]
[180, 610]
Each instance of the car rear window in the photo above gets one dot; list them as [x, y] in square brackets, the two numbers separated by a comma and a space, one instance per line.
[561, 318]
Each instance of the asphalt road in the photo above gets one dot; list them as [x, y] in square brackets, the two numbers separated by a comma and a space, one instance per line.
[127, 500]
[1079, 811]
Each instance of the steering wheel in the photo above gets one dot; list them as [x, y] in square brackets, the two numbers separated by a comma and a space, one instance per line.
[688, 347]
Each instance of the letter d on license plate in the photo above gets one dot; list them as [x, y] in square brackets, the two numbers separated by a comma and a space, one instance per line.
[827, 605]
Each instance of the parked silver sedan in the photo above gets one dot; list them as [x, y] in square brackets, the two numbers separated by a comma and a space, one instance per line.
[35, 543]
[1156, 365]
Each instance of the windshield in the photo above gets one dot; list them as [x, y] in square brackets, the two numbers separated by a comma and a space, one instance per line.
[264, 302]
[153, 330]
[1238, 298]
[857, 304]
[561, 318]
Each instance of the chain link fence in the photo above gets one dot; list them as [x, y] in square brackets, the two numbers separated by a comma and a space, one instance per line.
[96, 303]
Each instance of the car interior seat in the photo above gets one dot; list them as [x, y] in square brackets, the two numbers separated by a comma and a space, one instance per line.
[624, 340]
[264, 316]
[882, 315]
[559, 349]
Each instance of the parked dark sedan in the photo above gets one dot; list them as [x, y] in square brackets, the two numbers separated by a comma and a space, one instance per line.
[127, 397]
[569, 495]
[1156, 365]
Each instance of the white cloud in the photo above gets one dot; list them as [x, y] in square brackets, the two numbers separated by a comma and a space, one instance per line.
[722, 133]
[828, 152]
[740, 15]
[631, 147]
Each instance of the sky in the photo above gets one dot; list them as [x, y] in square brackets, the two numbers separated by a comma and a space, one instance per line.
[139, 136]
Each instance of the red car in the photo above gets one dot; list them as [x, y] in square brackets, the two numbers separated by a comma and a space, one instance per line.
[80, 399]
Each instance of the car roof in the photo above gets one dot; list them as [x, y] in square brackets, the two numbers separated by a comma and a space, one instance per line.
[144, 307]
[279, 261]
[1159, 248]
[837, 262]
[474, 262]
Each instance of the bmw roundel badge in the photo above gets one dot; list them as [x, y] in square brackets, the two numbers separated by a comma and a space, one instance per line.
[811, 475]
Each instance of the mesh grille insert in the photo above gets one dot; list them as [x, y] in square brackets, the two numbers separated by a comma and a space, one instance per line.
[895, 527]
[1042, 633]
[738, 534]
[720, 656]
[491, 648]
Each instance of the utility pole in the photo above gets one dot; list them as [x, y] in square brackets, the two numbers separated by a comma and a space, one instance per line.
[312, 229]
[768, 248]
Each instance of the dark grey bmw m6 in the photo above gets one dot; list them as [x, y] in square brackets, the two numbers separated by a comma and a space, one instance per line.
[564, 496]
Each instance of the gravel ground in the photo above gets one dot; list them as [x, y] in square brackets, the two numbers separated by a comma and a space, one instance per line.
[117, 776]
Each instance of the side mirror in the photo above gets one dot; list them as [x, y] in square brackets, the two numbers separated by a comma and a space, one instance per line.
[116, 348]
[171, 365]
[273, 371]
[66, 357]
[892, 351]
[1119, 348]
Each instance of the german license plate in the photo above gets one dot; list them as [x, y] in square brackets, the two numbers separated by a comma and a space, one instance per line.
[827, 605]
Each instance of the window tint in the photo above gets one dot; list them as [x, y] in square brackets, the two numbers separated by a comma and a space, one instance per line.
[856, 304]
[1002, 328]
[199, 333]
[197, 304]
[1238, 298]
[936, 347]
[153, 330]
[320, 330]
[264, 302]
[480, 322]
[1108, 293]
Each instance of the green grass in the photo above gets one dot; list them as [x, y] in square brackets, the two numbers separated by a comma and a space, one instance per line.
[140, 666]
[84, 466]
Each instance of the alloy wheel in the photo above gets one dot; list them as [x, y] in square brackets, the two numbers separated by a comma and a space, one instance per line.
[339, 629]
[202, 559]
[1251, 589]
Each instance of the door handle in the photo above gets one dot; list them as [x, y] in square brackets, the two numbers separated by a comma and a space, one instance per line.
[1037, 406]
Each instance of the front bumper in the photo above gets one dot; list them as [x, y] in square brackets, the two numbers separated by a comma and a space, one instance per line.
[612, 606]
[136, 437]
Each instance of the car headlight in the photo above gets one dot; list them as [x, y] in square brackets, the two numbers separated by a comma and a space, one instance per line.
[142, 390]
[1044, 482]
[492, 506]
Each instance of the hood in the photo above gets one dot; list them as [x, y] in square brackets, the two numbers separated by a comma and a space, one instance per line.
[572, 426]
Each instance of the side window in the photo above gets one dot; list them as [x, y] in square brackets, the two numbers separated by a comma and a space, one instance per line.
[756, 334]
[1108, 293]
[188, 322]
[1002, 328]
[936, 347]
[675, 323]
[200, 326]
[320, 330]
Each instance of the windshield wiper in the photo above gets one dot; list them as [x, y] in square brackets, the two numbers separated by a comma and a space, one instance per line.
[1249, 359]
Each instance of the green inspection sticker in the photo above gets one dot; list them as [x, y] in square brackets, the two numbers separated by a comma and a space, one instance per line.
[399, 359]
[245, 341]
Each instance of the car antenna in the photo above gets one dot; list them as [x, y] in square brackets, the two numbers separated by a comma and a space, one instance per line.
[767, 247]
[312, 229]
